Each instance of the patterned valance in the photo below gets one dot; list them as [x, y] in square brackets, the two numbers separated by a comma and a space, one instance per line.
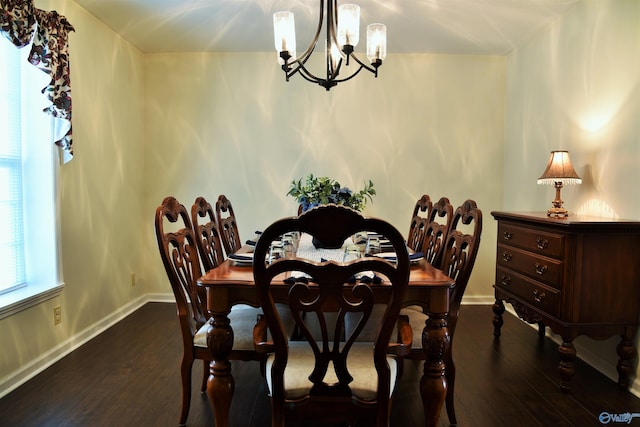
[47, 32]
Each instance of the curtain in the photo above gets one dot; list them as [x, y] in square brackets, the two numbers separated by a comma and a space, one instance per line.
[47, 32]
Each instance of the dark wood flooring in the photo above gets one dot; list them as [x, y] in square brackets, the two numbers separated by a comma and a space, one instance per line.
[128, 376]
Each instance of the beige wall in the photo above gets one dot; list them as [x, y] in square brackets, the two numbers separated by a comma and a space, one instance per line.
[101, 193]
[228, 123]
[576, 86]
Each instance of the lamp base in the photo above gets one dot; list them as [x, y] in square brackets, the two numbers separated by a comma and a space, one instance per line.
[557, 213]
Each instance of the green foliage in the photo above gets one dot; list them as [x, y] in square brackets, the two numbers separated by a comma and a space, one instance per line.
[316, 191]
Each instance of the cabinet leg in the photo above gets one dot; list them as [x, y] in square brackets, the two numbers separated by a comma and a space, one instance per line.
[541, 330]
[567, 357]
[626, 352]
[498, 311]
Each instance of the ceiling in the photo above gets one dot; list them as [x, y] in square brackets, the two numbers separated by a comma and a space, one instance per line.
[469, 27]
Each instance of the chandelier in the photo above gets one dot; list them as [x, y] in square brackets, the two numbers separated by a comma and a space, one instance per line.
[342, 36]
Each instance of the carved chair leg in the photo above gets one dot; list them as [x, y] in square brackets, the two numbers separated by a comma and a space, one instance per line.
[205, 376]
[185, 373]
[450, 374]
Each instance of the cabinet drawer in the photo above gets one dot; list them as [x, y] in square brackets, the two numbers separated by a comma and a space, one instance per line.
[540, 242]
[529, 291]
[543, 269]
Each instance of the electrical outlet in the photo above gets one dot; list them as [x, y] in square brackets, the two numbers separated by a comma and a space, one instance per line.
[57, 315]
[133, 279]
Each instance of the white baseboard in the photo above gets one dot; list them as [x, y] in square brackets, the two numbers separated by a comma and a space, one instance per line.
[478, 300]
[34, 367]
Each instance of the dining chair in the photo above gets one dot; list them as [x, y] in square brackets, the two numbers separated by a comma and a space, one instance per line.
[458, 257]
[419, 222]
[227, 225]
[177, 244]
[208, 239]
[429, 233]
[331, 377]
[209, 246]
[436, 231]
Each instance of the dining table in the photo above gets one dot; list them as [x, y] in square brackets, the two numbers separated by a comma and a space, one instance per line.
[232, 283]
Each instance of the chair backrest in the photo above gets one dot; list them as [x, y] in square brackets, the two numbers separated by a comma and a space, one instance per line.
[436, 231]
[324, 287]
[460, 251]
[180, 258]
[419, 222]
[227, 225]
[207, 235]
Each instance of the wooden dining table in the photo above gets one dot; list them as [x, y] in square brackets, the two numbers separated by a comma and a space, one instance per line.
[231, 283]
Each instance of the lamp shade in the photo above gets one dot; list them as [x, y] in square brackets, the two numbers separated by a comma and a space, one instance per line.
[559, 169]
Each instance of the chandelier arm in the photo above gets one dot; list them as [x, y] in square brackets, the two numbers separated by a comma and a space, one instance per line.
[304, 72]
[328, 44]
[355, 73]
[310, 77]
[312, 46]
[336, 72]
[307, 75]
[373, 70]
[325, 83]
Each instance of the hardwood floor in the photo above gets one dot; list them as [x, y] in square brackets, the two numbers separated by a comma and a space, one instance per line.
[128, 376]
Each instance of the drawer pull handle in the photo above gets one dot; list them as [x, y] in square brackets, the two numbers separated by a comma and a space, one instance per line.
[506, 281]
[506, 256]
[541, 269]
[508, 235]
[539, 296]
[542, 243]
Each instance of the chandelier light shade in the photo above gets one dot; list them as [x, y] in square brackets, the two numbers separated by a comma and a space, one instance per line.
[559, 172]
[284, 34]
[342, 26]
[376, 42]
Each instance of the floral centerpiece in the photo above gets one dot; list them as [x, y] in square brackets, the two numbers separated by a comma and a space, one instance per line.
[314, 191]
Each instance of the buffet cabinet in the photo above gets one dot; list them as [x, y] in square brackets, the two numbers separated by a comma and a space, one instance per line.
[578, 276]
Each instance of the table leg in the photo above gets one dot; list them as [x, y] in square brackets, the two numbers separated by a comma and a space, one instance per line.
[433, 385]
[220, 385]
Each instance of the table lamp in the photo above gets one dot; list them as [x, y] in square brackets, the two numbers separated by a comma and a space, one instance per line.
[559, 172]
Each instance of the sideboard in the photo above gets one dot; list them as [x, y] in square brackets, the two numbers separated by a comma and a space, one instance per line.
[578, 275]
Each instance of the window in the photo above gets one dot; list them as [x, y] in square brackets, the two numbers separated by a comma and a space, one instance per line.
[29, 255]
[12, 275]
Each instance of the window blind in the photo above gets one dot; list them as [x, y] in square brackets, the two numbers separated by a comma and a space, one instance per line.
[12, 253]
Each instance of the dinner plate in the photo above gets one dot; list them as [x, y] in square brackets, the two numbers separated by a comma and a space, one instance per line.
[242, 259]
[391, 256]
